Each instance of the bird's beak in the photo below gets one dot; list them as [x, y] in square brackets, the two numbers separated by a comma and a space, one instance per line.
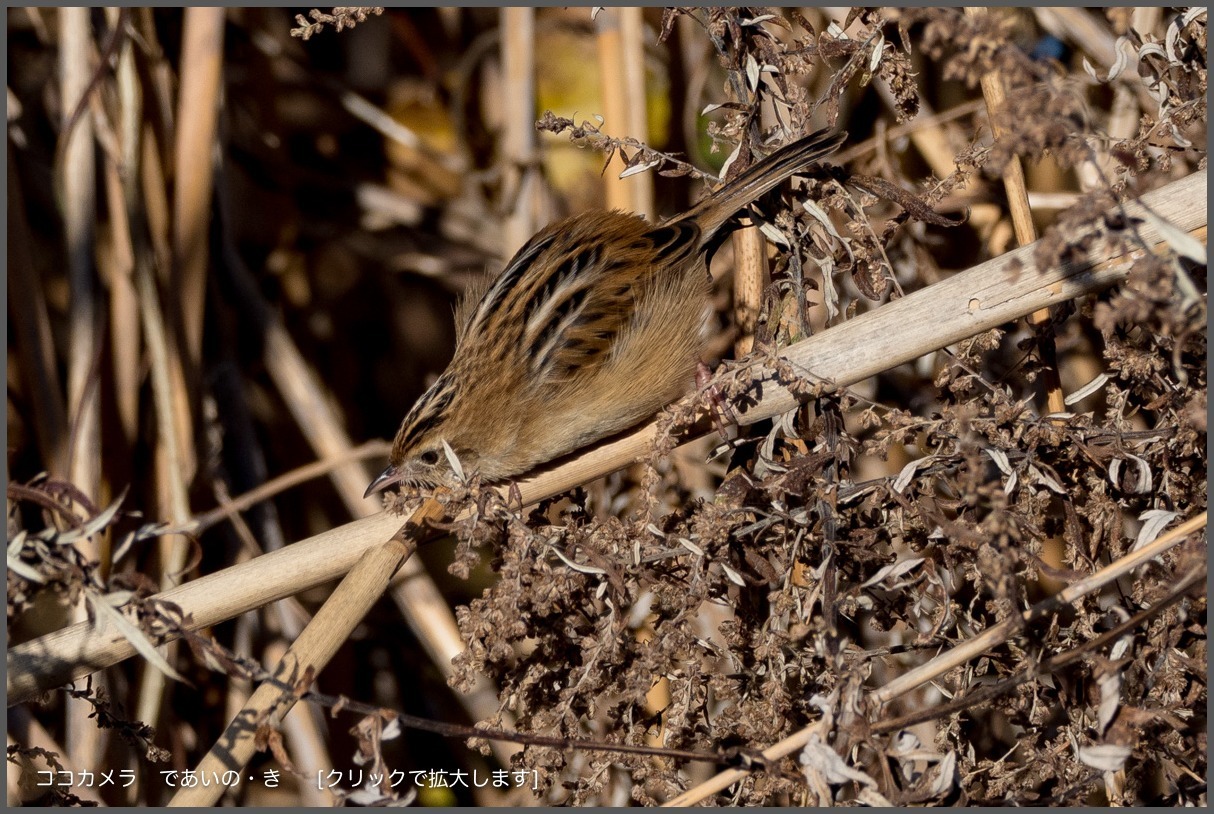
[386, 478]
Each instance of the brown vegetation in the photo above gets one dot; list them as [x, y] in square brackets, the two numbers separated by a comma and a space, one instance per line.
[948, 556]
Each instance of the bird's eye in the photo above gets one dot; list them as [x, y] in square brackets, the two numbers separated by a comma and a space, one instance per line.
[429, 458]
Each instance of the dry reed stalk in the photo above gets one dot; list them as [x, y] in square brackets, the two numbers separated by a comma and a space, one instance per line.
[174, 449]
[1026, 233]
[35, 346]
[197, 110]
[520, 176]
[173, 458]
[79, 210]
[295, 673]
[619, 39]
[632, 56]
[239, 687]
[124, 307]
[127, 313]
[289, 617]
[152, 192]
[960, 654]
[146, 199]
[310, 406]
[173, 453]
[995, 292]
[303, 728]
[197, 113]
[750, 279]
[83, 739]
[617, 191]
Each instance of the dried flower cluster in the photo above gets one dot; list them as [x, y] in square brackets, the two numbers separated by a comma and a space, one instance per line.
[343, 17]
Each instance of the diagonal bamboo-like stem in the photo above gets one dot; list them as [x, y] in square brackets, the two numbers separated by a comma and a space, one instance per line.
[993, 293]
[318, 643]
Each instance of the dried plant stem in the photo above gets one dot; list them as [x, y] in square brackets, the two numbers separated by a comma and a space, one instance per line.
[306, 398]
[318, 643]
[171, 457]
[990, 294]
[147, 198]
[124, 307]
[961, 653]
[621, 52]
[127, 316]
[1026, 233]
[520, 176]
[171, 483]
[304, 731]
[78, 204]
[197, 112]
[750, 280]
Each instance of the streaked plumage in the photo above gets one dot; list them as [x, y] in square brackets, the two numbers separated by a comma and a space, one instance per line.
[593, 326]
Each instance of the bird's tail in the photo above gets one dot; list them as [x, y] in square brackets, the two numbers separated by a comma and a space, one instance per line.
[714, 211]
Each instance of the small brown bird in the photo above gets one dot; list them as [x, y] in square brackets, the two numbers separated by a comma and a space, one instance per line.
[593, 326]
